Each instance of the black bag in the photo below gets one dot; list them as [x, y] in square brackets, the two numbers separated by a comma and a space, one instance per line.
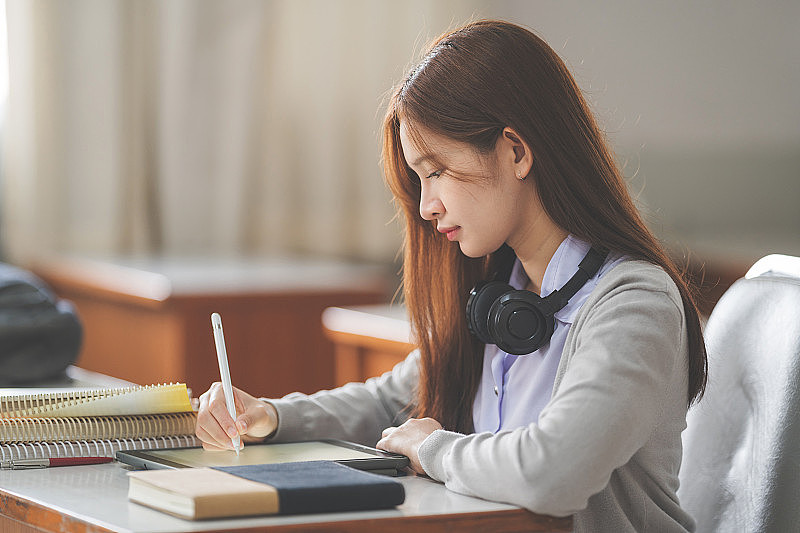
[40, 335]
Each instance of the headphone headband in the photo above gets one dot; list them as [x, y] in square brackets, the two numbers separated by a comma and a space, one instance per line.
[588, 267]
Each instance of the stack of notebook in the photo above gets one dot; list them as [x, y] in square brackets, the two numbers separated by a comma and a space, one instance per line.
[45, 423]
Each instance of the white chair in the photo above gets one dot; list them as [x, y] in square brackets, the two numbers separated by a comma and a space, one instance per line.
[741, 466]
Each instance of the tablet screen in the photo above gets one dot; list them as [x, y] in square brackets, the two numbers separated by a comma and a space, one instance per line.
[260, 454]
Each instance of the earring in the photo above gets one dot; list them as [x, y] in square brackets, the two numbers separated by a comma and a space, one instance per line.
[519, 175]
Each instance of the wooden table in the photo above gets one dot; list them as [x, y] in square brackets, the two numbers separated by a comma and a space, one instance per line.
[93, 499]
[147, 320]
[368, 340]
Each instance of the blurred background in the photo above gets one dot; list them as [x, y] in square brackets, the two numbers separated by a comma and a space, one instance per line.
[207, 131]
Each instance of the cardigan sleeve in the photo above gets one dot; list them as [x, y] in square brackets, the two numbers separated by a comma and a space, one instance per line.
[357, 412]
[624, 357]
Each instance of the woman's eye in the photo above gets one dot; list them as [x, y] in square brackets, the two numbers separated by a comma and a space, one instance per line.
[434, 174]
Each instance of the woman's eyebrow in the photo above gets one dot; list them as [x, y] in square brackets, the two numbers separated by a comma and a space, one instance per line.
[420, 159]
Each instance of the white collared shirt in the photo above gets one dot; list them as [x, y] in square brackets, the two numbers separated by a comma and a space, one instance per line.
[515, 389]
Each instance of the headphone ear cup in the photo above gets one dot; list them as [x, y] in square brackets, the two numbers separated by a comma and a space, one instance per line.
[520, 322]
[481, 299]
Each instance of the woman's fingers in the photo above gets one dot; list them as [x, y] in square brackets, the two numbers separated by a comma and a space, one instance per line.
[208, 441]
[255, 419]
[407, 439]
[214, 424]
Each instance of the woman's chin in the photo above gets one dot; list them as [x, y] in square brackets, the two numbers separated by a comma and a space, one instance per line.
[473, 252]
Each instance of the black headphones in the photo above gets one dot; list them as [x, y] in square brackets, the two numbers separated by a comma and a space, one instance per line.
[518, 321]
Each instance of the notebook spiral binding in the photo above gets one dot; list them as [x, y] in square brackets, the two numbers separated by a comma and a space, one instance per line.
[91, 448]
[95, 427]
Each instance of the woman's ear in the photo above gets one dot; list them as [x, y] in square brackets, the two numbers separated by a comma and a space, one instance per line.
[518, 151]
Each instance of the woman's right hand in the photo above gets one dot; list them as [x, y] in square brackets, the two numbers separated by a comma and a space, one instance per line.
[255, 420]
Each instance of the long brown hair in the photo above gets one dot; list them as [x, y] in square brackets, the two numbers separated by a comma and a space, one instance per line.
[472, 83]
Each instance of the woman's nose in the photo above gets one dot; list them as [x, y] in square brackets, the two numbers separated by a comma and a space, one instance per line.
[430, 206]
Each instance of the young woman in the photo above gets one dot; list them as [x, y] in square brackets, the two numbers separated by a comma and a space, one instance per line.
[571, 394]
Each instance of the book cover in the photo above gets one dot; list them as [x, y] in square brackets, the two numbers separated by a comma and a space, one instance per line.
[283, 488]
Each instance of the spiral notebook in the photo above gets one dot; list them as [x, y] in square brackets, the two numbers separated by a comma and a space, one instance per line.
[43, 423]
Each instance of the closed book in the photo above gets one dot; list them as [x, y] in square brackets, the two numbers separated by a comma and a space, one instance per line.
[283, 488]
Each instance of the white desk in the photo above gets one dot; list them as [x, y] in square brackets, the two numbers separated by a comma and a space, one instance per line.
[94, 499]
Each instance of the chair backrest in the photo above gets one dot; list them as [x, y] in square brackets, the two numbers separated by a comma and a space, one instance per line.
[741, 467]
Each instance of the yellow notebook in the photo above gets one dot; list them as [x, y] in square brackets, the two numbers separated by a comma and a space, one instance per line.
[43, 423]
[137, 400]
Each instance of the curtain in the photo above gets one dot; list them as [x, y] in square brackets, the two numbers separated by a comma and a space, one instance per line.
[189, 127]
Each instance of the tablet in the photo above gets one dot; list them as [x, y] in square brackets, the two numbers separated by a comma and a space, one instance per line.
[347, 453]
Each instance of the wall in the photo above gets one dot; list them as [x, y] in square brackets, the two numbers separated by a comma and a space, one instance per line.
[251, 127]
[700, 101]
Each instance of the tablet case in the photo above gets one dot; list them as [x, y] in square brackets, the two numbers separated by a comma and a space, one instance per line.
[378, 461]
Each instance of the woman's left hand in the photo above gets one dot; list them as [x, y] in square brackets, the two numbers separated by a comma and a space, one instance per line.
[407, 439]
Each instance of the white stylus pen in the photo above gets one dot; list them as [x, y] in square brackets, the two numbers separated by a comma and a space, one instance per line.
[224, 371]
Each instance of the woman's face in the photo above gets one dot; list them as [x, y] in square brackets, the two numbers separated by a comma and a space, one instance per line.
[474, 199]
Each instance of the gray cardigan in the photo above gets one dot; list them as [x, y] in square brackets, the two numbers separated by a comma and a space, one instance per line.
[607, 447]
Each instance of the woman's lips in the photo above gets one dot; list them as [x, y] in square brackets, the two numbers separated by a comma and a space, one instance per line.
[450, 232]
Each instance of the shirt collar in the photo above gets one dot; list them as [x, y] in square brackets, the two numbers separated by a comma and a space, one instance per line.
[562, 266]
